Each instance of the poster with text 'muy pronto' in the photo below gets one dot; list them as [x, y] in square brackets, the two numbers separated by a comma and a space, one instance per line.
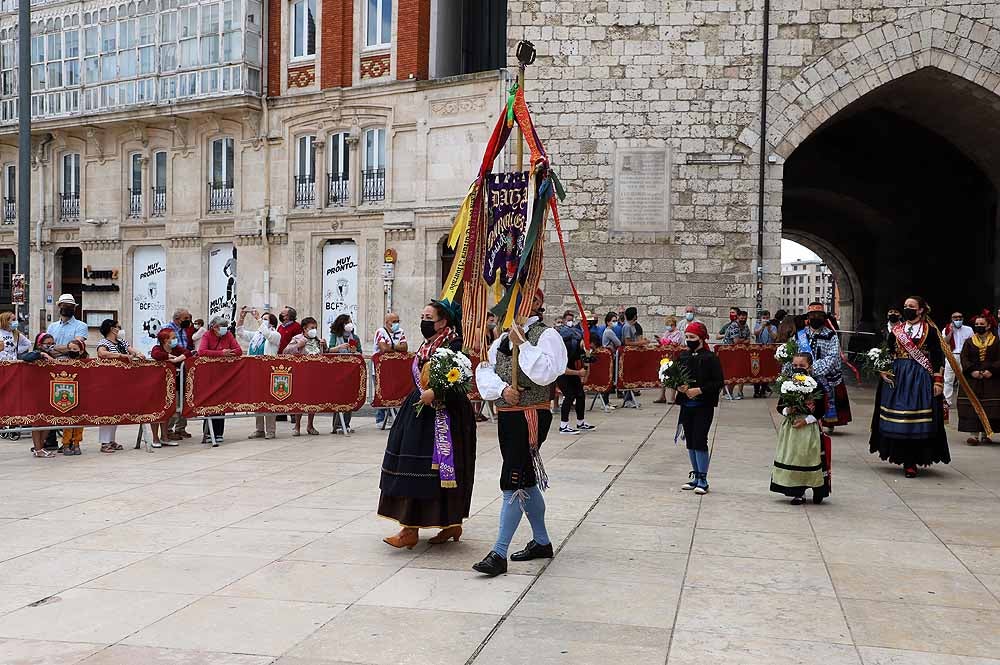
[149, 296]
[222, 281]
[340, 283]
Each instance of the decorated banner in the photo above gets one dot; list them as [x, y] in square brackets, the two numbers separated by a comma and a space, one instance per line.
[340, 283]
[149, 295]
[748, 363]
[601, 376]
[222, 281]
[86, 392]
[328, 383]
[393, 379]
[639, 366]
[508, 217]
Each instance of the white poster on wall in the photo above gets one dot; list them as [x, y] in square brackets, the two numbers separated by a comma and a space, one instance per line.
[222, 281]
[149, 296]
[340, 283]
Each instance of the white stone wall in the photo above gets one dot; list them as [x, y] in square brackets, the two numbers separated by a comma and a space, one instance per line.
[688, 75]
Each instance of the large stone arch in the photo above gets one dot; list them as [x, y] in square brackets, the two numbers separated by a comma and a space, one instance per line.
[937, 38]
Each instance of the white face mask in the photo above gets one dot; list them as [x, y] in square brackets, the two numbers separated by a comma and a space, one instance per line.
[311, 334]
[264, 324]
[348, 328]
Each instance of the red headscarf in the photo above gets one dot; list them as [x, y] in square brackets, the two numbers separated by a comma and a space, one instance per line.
[698, 328]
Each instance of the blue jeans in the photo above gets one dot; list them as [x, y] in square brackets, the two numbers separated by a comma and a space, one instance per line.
[510, 517]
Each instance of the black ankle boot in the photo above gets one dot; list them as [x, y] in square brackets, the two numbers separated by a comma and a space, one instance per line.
[533, 551]
[492, 565]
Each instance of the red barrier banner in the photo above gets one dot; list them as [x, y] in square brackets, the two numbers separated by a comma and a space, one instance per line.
[328, 383]
[393, 379]
[639, 366]
[748, 363]
[86, 392]
[601, 372]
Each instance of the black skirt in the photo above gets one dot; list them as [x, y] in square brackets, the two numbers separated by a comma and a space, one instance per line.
[411, 490]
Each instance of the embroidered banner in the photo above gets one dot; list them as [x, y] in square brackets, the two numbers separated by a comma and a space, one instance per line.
[639, 366]
[601, 375]
[329, 383]
[508, 200]
[393, 379]
[748, 363]
[86, 392]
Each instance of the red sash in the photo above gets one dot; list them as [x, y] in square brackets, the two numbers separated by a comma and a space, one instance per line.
[904, 340]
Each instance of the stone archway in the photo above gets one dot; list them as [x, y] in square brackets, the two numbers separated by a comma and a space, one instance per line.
[888, 155]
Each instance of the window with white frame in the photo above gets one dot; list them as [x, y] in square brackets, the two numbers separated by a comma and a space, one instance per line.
[222, 162]
[339, 185]
[158, 203]
[303, 29]
[374, 149]
[71, 175]
[9, 194]
[378, 23]
[305, 172]
[135, 186]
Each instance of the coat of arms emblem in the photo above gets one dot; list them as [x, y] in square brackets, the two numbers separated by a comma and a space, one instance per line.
[64, 393]
[754, 364]
[281, 382]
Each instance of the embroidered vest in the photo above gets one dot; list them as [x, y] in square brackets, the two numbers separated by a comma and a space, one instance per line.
[531, 393]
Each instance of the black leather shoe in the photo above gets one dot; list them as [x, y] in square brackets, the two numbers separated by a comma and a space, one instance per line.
[492, 565]
[533, 551]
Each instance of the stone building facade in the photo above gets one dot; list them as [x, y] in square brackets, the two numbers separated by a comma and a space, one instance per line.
[363, 139]
[687, 76]
[806, 281]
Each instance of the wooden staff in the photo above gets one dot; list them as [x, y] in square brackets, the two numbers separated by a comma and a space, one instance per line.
[525, 56]
[966, 388]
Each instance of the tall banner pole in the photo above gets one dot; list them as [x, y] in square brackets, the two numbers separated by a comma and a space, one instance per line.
[24, 158]
[525, 56]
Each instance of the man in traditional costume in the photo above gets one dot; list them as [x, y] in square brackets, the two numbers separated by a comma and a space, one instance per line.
[523, 420]
[820, 340]
[802, 457]
[908, 420]
[981, 366]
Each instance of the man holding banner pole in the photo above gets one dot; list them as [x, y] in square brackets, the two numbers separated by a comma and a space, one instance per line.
[523, 422]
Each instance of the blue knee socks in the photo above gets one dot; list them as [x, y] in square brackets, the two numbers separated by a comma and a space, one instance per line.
[510, 518]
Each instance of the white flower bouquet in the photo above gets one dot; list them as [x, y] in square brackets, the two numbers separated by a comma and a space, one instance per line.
[877, 360]
[673, 374]
[784, 353]
[799, 392]
[447, 371]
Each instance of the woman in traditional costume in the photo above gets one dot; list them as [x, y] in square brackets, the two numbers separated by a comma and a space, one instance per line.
[981, 366]
[416, 492]
[801, 460]
[908, 420]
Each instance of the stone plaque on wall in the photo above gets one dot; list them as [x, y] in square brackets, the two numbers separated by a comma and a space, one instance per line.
[641, 191]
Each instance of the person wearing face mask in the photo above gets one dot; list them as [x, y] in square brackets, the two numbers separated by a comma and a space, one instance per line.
[72, 437]
[288, 326]
[737, 332]
[690, 316]
[264, 341]
[981, 366]
[186, 331]
[113, 347]
[416, 493]
[733, 314]
[611, 341]
[43, 349]
[309, 343]
[956, 334]
[572, 380]
[671, 336]
[390, 338]
[698, 401]
[343, 340]
[523, 423]
[908, 419]
[820, 341]
[892, 318]
[168, 349]
[12, 342]
[218, 342]
[67, 327]
[801, 459]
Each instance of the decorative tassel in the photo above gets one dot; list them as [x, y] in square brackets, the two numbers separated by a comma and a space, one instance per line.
[540, 476]
[679, 434]
[521, 495]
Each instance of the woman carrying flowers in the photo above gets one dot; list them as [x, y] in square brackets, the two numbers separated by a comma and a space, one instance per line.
[801, 460]
[698, 398]
[430, 457]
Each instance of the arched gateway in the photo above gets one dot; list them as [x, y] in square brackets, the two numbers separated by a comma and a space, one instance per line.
[889, 164]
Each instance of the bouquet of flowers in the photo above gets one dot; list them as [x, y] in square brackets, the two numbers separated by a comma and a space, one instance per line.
[785, 352]
[877, 360]
[797, 391]
[674, 374]
[447, 371]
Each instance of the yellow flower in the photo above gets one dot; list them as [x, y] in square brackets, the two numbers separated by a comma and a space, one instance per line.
[666, 362]
[800, 378]
[454, 374]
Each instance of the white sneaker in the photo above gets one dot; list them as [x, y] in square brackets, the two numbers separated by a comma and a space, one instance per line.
[608, 408]
[168, 443]
[156, 444]
[567, 430]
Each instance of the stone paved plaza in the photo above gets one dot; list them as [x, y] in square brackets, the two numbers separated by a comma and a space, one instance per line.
[264, 552]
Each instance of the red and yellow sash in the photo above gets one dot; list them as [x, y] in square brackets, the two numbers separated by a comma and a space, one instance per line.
[904, 341]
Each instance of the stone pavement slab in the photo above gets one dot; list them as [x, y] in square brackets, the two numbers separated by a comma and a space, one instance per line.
[269, 552]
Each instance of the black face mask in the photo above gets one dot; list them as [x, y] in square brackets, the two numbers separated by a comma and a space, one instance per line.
[73, 354]
[539, 312]
[980, 330]
[894, 318]
[67, 311]
[694, 345]
[910, 314]
[800, 370]
[427, 329]
[186, 323]
[816, 324]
